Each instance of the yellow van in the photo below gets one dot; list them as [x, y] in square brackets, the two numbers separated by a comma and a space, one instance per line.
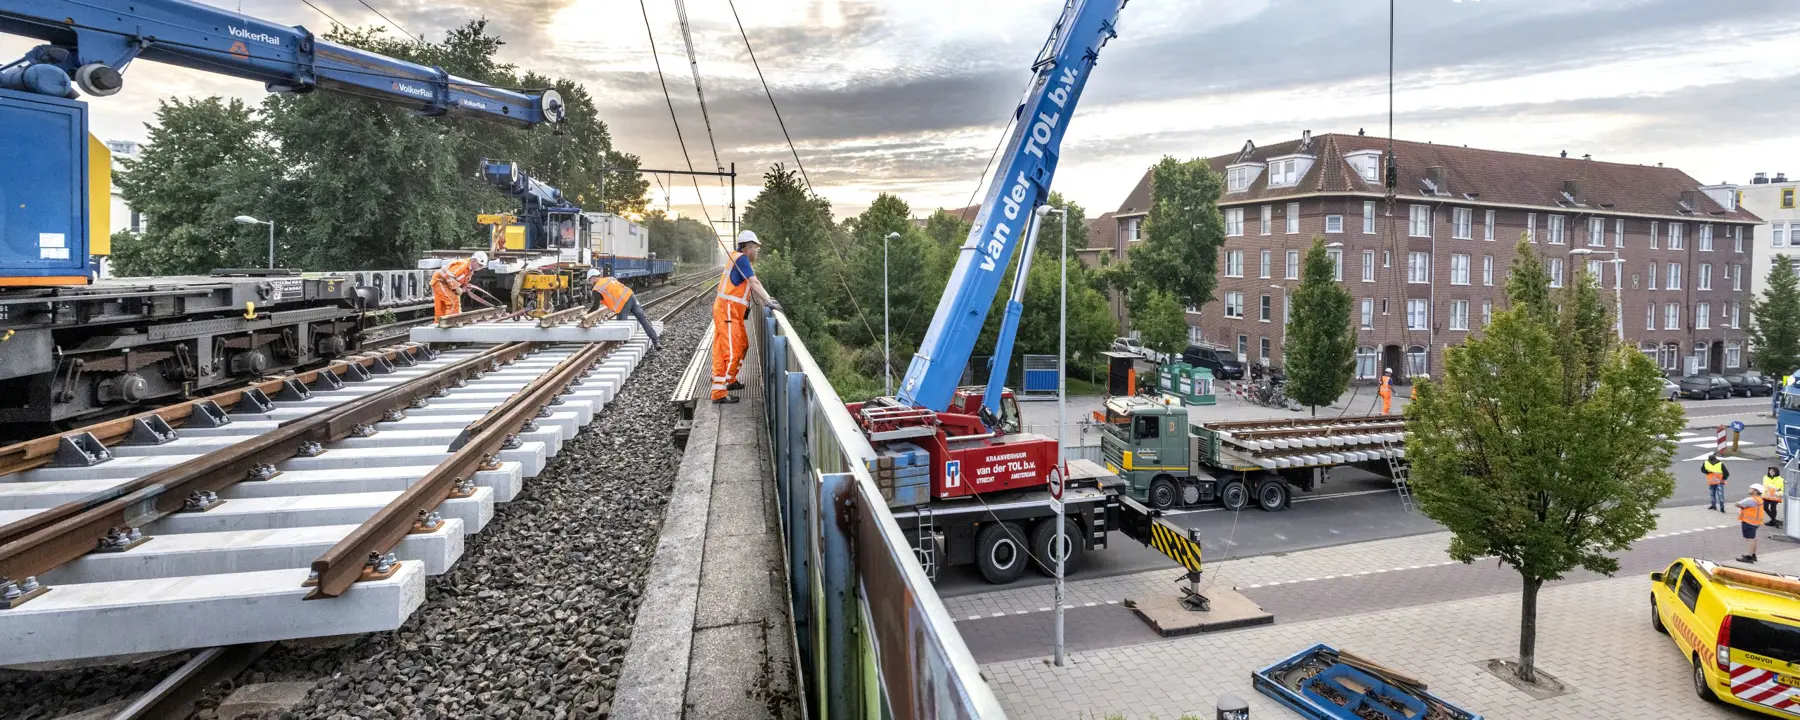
[1739, 628]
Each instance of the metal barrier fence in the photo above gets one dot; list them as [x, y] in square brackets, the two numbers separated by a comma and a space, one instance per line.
[874, 639]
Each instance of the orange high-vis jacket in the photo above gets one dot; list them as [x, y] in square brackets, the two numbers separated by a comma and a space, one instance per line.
[733, 292]
[461, 271]
[613, 294]
[1752, 515]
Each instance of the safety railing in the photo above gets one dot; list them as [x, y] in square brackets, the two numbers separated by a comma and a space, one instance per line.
[872, 636]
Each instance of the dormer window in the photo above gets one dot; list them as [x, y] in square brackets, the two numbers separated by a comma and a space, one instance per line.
[1239, 177]
[1366, 163]
[1281, 173]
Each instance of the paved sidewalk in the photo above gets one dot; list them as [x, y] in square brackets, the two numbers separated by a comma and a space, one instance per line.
[1595, 637]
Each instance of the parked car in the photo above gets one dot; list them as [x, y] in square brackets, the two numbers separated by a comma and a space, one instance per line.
[1704, 387]
[1671, 390]
[1222, 362]
[1748, 385]
[1128, 345]
[1736, 628]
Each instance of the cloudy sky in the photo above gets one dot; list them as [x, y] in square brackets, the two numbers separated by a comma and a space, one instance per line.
[909, 96]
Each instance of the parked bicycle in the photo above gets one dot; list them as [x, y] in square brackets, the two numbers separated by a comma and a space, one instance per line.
[1268, 387]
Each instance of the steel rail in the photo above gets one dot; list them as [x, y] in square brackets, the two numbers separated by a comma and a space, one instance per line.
[39, 452]
[174, 697]
[45, 540]
[468, 317]
[344, 563]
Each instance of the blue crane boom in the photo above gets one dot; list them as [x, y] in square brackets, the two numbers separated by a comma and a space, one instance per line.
[1007, 219]
[93, 42]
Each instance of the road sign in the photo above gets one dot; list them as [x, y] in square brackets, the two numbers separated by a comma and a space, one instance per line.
[1737, 426]
[1056, 484]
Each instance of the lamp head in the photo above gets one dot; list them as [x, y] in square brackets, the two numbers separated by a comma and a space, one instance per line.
[246, 220]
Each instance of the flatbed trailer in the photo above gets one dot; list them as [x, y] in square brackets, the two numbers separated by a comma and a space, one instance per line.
[1169, 461]
[1323, 683]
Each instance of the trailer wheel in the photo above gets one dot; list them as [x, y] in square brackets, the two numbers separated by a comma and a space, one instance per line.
[1234, 496]
[1043, 550]
[1163, 493]
[1000, 552]
[1272, 495]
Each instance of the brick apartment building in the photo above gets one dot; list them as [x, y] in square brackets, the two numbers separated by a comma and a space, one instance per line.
[1429, 268]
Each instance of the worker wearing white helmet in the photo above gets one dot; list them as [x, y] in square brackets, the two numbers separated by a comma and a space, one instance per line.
[452, 280]
[1387, 392]
[737, 285]
[614, 296]
[1751, 516]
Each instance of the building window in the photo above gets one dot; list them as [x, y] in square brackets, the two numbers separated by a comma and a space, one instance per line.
[1674, 236]
[1419, 221]
[1418, 313]
[1267, 259]
[1672, 316]
[1487, 270]
[1293, 218]
[1531, 227]
[1281, 173]
[1596, 232]
[1337, 263]
[1384, 307]
[1733, 354]
[1238, 178]
[1263, 349]
[1650, 316]
[1556, 272]
[1368, 314]
[1365, 362]
[1459, 269]
[1293, 264]
[1674, 277]
[1787, 198]
[1334, 223]
[1234, 222]
[1130, 229]
[1459, 314]
[1778, 240]
[1487, 227]
[1653, 240]
[1368, 268]
[1652, 276]
[1736, 314]
[1487, 313]
[137, 221]
[1234, 304]
[1415, 361]
[1737, 239]
[1706, 237]
[1593, 268]
[1737, 278]
[1243, 347]
[1703, 316]
[1556, 230]
[1234, 263]
[1703, 277]
[1619, 233]
[1195, 337]
[1368, 217]
[1461, 223]
[1418, 268]
[1268, 219]
[1267, 309]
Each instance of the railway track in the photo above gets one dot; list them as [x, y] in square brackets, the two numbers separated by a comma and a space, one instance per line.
[349, 491]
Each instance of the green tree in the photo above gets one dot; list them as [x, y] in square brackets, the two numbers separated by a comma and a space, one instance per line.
[1184, 232]
[1160, 322]
[1320, 342]
[1775, 321]
[199, 169]
[1050, 241]
[1545, 443]
[800, 264]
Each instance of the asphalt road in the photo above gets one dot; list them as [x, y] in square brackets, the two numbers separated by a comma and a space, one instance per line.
[1354, 506]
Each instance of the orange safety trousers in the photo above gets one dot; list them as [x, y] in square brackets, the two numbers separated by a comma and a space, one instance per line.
[445, 300]
[730, 343]
[1387, 398]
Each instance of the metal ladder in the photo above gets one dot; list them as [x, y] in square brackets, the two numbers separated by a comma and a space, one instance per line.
[1402, 474]
[925, 545]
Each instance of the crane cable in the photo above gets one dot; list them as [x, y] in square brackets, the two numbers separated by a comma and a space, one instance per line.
[687, 38]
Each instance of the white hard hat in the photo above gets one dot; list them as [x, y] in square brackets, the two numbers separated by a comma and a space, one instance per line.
[747, 236]
[480, 257]
[1757, 488]
[593, 273]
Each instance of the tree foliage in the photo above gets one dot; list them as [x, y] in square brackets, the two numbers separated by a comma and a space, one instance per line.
[1184, 232]
[684, 238]
[352, 183]
[1160, 321]
[1775, 321]
[1320, 342]
[1545, 443]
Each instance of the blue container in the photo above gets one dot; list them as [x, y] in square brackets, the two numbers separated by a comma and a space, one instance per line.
[43, 190]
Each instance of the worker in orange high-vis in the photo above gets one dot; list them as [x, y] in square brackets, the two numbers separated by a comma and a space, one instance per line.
[614, 296]
[1750, 517]
[452, 280]
[737, 283]
[1387, 392]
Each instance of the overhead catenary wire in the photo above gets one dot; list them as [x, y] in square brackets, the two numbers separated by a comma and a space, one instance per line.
[766, 92]
[383, 16]
[321, 11]
[687, 38]
[669, 99]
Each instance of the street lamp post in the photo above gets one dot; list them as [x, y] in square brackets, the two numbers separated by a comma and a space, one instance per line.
[887, 353]
[1618, 264]
[1062, 418]
[247, 220]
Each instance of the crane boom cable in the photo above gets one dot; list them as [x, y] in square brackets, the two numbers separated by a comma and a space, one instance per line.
[321, 11]
[383, 16]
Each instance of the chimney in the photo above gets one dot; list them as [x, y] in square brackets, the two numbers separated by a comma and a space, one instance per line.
[1305, 139]
[1780, 177]
[1565, 153]
[1572, 188]
[1586, 156]
[1760, 179]
[1435, 174]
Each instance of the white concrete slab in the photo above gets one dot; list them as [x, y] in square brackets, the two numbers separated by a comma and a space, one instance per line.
[609, 331]
[531, 456]
[505, 482]
[288, 512]
[165, 614]
[168, 556]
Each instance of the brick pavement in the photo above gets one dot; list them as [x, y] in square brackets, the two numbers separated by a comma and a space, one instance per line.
[1366, 558]
[1594, 636]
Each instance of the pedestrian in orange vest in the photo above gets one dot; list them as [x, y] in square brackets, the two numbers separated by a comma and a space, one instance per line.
[1387, 392]
[614, 296]
[452, 280]
[1750, 517]
[730, 309]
